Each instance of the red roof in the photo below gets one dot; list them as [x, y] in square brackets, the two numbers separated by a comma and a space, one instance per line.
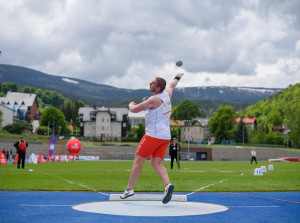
[249, 120]
[180, 122]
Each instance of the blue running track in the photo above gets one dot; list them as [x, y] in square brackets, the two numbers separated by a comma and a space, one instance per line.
[254, 207]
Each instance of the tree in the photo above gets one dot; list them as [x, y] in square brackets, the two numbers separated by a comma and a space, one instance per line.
[274, 119]
[175, 132]
[186, 110]
[76, 105]
[53, 116]
[137, 132]
[241, 132]
[140, 131]
[222, 123]
[294, 124]
[67, 109]
[1, 119]
[52, 98]
[39, 92]
[5, 87]
[260, 136]
[28, 89]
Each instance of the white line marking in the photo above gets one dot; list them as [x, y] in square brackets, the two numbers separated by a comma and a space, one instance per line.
[205, 187]
[253, 206]
[211, 184]
[73, 183]
[44, 205]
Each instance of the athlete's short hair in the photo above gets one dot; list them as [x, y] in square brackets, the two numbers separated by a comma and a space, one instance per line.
[161, 83]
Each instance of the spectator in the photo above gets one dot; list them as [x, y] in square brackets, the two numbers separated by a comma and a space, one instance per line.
[21, 147]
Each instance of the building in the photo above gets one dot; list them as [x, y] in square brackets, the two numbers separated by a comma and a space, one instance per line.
[194, 131]
[103, 124]
[135, 118]
[250, 122]
[9, 114]
[24, 107]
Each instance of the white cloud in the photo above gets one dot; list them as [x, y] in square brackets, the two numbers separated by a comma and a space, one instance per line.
[127, 43]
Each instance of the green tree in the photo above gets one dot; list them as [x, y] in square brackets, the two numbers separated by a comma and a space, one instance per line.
[222, 123]
[175, 132]
[28, 90]
[1, 119]
[260, 136]
[140, 131]
[77, 104]
[294, 124]
[186, 110]
[270, 138]
[39, 92]
[241, 132]
[52, 98]
[278, 138]
[53, 116]
[274, 119]
[137, 133]
[68, 109]
[12, 87]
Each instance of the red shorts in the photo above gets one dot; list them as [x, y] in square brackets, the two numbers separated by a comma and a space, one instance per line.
[153, 147]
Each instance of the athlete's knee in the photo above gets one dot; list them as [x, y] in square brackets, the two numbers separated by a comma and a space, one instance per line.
[156, 162]
[138, 161]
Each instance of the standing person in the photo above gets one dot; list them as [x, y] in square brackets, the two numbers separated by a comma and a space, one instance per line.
[253, 154]
[10, 155]
[21, 147]
[174, 149]
[157, 138]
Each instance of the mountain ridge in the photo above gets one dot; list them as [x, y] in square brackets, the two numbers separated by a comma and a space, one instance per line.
[100, 94]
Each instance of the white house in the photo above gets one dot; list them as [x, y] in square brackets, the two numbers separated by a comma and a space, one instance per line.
[9, 114]
[103, 124]
[26, 106]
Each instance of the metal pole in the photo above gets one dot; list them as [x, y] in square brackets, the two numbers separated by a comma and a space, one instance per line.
[243, 134]
[48, 127]
[53, 124]
[189, 140]
[76, 128]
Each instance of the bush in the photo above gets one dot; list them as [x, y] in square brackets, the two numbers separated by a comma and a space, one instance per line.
[42, 130]
[17, 127]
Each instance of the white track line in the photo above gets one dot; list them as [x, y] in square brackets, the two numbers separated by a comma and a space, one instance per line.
[44, 205]
[211, 184]
[206, 187]
[73, 182]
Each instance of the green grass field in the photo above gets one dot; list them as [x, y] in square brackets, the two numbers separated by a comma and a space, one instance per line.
[112, 176]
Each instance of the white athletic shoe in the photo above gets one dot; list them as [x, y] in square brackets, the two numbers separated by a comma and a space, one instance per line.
[127, 193]
[168, 193]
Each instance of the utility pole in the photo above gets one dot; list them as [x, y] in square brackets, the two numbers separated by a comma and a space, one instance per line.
[76, 127]
[53, 123]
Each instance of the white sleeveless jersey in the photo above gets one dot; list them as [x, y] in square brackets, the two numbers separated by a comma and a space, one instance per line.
[157, 120]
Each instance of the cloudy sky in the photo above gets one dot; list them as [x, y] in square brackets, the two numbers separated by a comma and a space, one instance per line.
[126, 43]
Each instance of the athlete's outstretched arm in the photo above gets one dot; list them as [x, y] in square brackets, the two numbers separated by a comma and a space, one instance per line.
[150, 103]
[173, 84]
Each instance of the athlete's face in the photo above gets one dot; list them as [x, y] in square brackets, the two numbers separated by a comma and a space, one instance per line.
[153, 86]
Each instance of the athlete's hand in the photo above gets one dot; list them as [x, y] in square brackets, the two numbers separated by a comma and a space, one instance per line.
[180, 75]
[131, 105]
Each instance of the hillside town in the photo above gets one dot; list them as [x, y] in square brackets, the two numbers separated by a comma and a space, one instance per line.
[108, 123]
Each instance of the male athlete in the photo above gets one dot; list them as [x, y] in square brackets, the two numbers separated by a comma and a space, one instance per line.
[155, 142]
